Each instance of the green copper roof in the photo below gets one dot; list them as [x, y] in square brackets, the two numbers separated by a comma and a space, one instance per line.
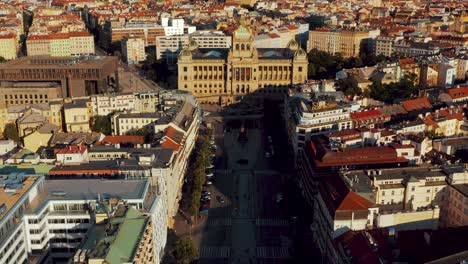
[128, 237]
[120, 243]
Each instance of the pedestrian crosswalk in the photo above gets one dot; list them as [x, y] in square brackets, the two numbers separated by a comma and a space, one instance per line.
[273, 252]
[219, 221]
[271, 222]
[215, 252]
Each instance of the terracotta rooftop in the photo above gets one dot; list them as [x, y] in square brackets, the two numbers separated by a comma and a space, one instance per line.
[366, 114]
[122, 140]
[60, 35]
[416, 104]
[72, 150]
[457, 93]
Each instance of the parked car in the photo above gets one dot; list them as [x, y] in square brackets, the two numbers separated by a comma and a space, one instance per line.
[267, 154]
[209, 166]
[220, 199]
[209, 183]
[209, 173]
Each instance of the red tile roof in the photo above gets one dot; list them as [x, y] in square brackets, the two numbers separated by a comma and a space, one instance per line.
[407, 61]
[457, 93]
[323, 157]
[416, 104]
[354, 201]
[10, 35]
[122, 140]
[446, 114]
[366, 114]
[172, 139]
[60, 35]
[72, 150]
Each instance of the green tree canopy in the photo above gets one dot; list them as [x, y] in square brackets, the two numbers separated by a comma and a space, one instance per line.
[102, 124]
[185, 251]
[349, 86]
[405, 88]
[10, 132]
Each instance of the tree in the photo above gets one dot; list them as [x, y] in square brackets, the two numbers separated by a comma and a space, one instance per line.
[102, 124]
[349, 86]
[151, 74]
[185, 251]
[10, 132]
[405, 88]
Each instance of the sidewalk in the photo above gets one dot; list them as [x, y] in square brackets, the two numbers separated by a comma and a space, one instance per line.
[182, 226]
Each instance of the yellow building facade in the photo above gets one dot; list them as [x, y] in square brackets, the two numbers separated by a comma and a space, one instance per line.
[8, 46]
[222, 74]
[346, 42]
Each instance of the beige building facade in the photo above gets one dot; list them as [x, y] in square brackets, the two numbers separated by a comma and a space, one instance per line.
[133, 50]
[346, 42]
[61, 44]
[222, 74]
[8, 46]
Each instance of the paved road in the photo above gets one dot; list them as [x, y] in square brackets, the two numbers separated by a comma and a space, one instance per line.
[248, 227]
[130, 81]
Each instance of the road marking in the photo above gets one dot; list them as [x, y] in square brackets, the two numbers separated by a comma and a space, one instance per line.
[215, 252]
[271, 222]
[273, 252]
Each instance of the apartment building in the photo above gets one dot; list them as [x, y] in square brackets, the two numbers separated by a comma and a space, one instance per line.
[445, 121]
[124, 123]
[125, 235]
[61, 215]
[308, 118]
[169, 46]
[8, 45]
[413, 48]
[222, 75]
[455, 208]
[347, 42]
[77, 115]
[133, 50]
[175, 26]
[61, 44]
[384, 46]
[104, 104]
[115, 31]
[16, 193]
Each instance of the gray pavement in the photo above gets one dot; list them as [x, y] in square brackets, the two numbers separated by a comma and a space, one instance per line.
[241, 229]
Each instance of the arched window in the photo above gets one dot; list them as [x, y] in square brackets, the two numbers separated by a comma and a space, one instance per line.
[237, 46]
[248, 47]
[242, 47]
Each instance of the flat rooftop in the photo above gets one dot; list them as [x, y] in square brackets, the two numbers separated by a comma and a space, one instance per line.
[11, 198]
[402, 173]
[45, 62]
[88, 189]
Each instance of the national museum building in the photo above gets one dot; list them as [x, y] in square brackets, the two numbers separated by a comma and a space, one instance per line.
[221, 75]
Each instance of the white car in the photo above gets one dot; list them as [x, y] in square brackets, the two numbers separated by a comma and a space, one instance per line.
[209, 183]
